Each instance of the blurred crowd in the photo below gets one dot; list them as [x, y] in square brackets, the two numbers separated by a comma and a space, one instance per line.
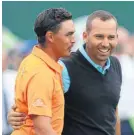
[125, 53]
[15, 49]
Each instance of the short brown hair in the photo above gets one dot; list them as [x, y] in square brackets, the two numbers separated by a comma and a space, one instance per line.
[103, 15]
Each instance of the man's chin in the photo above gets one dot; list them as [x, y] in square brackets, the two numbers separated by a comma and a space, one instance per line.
[103, 59]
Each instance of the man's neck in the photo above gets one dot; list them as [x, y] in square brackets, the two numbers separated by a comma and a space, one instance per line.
[49, 52]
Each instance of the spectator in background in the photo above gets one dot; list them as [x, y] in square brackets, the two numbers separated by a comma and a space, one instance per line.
[131, 44]
[17, 54]
[8, 81]
[124, 53]
[14, 59]
[123, 36]
[26, 47]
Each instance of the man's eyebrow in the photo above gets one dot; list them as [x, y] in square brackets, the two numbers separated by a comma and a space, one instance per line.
[70, 33]
[98, 35]
[112, 35]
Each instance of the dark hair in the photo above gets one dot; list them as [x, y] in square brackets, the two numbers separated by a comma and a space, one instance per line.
[103, 15]
[50, 19]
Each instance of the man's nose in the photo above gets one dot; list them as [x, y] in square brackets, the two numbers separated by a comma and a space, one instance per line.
[105, 42]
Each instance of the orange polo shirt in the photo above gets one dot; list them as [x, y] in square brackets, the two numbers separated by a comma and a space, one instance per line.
[39, 91]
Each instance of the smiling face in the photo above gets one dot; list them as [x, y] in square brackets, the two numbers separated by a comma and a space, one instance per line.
[101, 39]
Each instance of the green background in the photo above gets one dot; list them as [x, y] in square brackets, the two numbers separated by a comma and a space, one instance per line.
[19, 17]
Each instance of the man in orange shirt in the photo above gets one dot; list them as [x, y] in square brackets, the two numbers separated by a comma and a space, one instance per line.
[38, 90]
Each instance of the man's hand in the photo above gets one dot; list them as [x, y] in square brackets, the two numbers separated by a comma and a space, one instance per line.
[16, 119]
[118, 128]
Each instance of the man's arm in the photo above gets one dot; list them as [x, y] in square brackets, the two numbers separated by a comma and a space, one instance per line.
[39, 96]
[118, 128]
[42, 125]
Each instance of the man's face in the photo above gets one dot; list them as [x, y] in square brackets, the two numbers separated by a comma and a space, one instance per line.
[64, 39]
[101, 39]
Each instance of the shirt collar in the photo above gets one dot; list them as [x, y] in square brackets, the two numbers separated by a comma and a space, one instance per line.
[98, 67]
[46, 58]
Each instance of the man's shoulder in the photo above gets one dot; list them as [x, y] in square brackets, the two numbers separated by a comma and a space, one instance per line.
[31, 60]
[116, 65]
[32, 63]
[29, 69]
[114, 60]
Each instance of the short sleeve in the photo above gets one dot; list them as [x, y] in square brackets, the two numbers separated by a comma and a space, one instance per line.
[39, 94]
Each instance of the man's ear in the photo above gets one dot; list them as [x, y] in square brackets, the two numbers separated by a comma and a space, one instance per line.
[49, 36]
[85, 36]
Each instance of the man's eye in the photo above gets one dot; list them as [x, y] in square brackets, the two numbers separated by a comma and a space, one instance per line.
[70, 34]
[99, 36]
[111, 37]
